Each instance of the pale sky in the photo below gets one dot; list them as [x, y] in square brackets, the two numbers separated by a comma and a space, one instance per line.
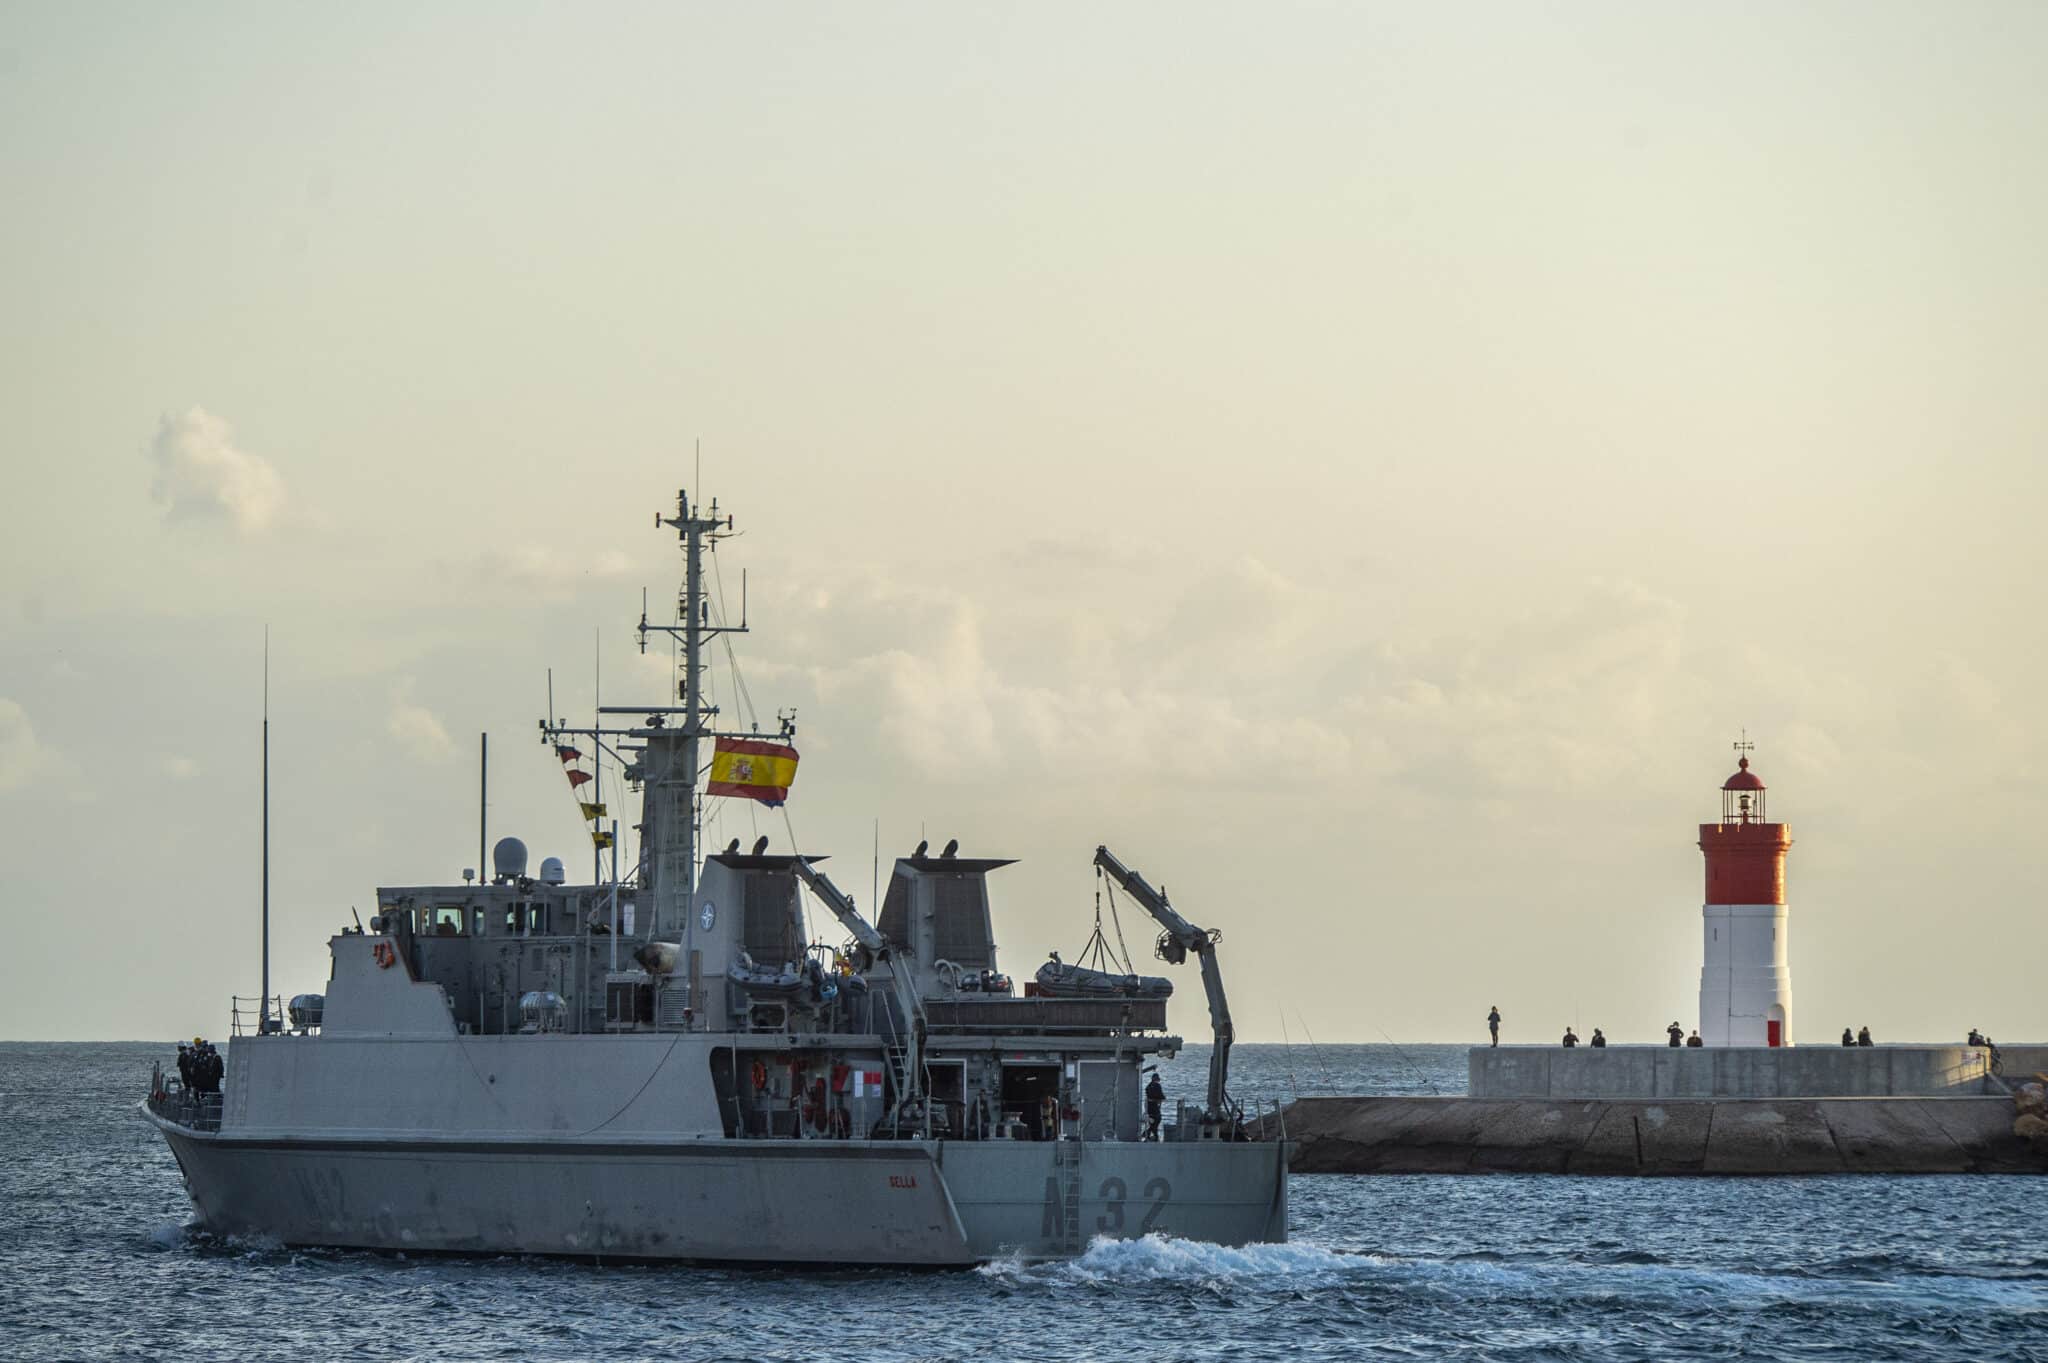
[1365, 463]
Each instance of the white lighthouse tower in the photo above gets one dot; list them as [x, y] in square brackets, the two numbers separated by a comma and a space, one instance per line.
[1746, 983]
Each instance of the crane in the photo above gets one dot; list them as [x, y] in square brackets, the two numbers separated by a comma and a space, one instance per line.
[1179, 938]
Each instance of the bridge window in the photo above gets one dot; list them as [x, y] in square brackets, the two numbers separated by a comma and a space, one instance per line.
[442, 920]
[526, 920]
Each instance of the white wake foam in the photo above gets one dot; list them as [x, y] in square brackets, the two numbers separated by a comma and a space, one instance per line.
[171, 1235]
[1156, 1258]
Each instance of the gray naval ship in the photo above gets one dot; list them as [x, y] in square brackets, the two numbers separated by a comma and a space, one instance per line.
[661, 1065]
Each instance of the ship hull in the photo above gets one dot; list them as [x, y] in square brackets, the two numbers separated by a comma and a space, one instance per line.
[912, 1203]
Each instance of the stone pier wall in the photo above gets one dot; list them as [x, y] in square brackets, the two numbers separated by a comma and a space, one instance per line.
[1774, 1136]
[2023, 1062]
[1628, 1072]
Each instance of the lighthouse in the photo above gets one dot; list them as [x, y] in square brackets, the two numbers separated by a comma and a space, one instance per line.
[1746, 983]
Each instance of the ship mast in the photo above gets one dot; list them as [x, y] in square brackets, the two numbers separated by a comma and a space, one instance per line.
[663, 752]
[675, 868]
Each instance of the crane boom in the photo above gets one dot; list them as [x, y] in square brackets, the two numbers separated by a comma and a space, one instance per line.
[1181, 938]
[842, 907]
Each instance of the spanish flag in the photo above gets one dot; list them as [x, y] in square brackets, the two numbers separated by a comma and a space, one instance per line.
[752, 770]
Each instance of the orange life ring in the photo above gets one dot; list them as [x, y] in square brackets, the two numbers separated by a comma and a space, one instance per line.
[760, 1075]
[385, 954]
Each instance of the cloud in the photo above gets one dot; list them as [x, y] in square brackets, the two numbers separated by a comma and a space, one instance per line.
[978, 687]
[201, 476]
[1240, 679]
[547, 570]
[416, 727]
[1559, 702]
[20, 756]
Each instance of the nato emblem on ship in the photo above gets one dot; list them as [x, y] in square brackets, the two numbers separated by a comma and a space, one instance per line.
[512, 1067]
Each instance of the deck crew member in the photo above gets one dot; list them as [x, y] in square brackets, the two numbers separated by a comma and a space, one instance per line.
[1155, 1104]
[209, 1068]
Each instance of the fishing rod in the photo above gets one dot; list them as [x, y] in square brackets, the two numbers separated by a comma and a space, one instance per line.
[1434, 1091]
[1288, 1042]
[1318, 1050]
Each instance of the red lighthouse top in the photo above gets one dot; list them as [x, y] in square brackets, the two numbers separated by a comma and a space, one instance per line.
[1745, 852]
[1742, 796]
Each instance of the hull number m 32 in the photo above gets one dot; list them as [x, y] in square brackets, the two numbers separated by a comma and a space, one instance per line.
[1113, 1194]
[1157, 1192]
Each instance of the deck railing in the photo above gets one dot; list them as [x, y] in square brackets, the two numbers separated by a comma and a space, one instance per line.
[173, 1102]
[246, 1014]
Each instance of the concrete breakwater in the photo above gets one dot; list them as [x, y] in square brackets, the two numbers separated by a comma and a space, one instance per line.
[1730, 1072]
[1893, 1135]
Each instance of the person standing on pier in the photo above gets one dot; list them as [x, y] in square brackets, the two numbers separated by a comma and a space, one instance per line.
[1493, 1023]
[1677, 1035]
[1599, 1039]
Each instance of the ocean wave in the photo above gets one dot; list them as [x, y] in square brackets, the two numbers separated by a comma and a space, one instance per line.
[1646, 1283]
[1636, 1279]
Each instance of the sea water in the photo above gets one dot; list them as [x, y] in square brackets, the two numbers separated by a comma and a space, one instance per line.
[99, 1261]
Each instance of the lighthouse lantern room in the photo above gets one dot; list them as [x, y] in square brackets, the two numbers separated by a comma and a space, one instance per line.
[1746, 983]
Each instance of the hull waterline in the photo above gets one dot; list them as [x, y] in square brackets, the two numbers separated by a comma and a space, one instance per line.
[908, 1203]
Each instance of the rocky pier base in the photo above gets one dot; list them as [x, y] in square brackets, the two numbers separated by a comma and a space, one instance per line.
[2030, 1101]
[1892, 1135]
